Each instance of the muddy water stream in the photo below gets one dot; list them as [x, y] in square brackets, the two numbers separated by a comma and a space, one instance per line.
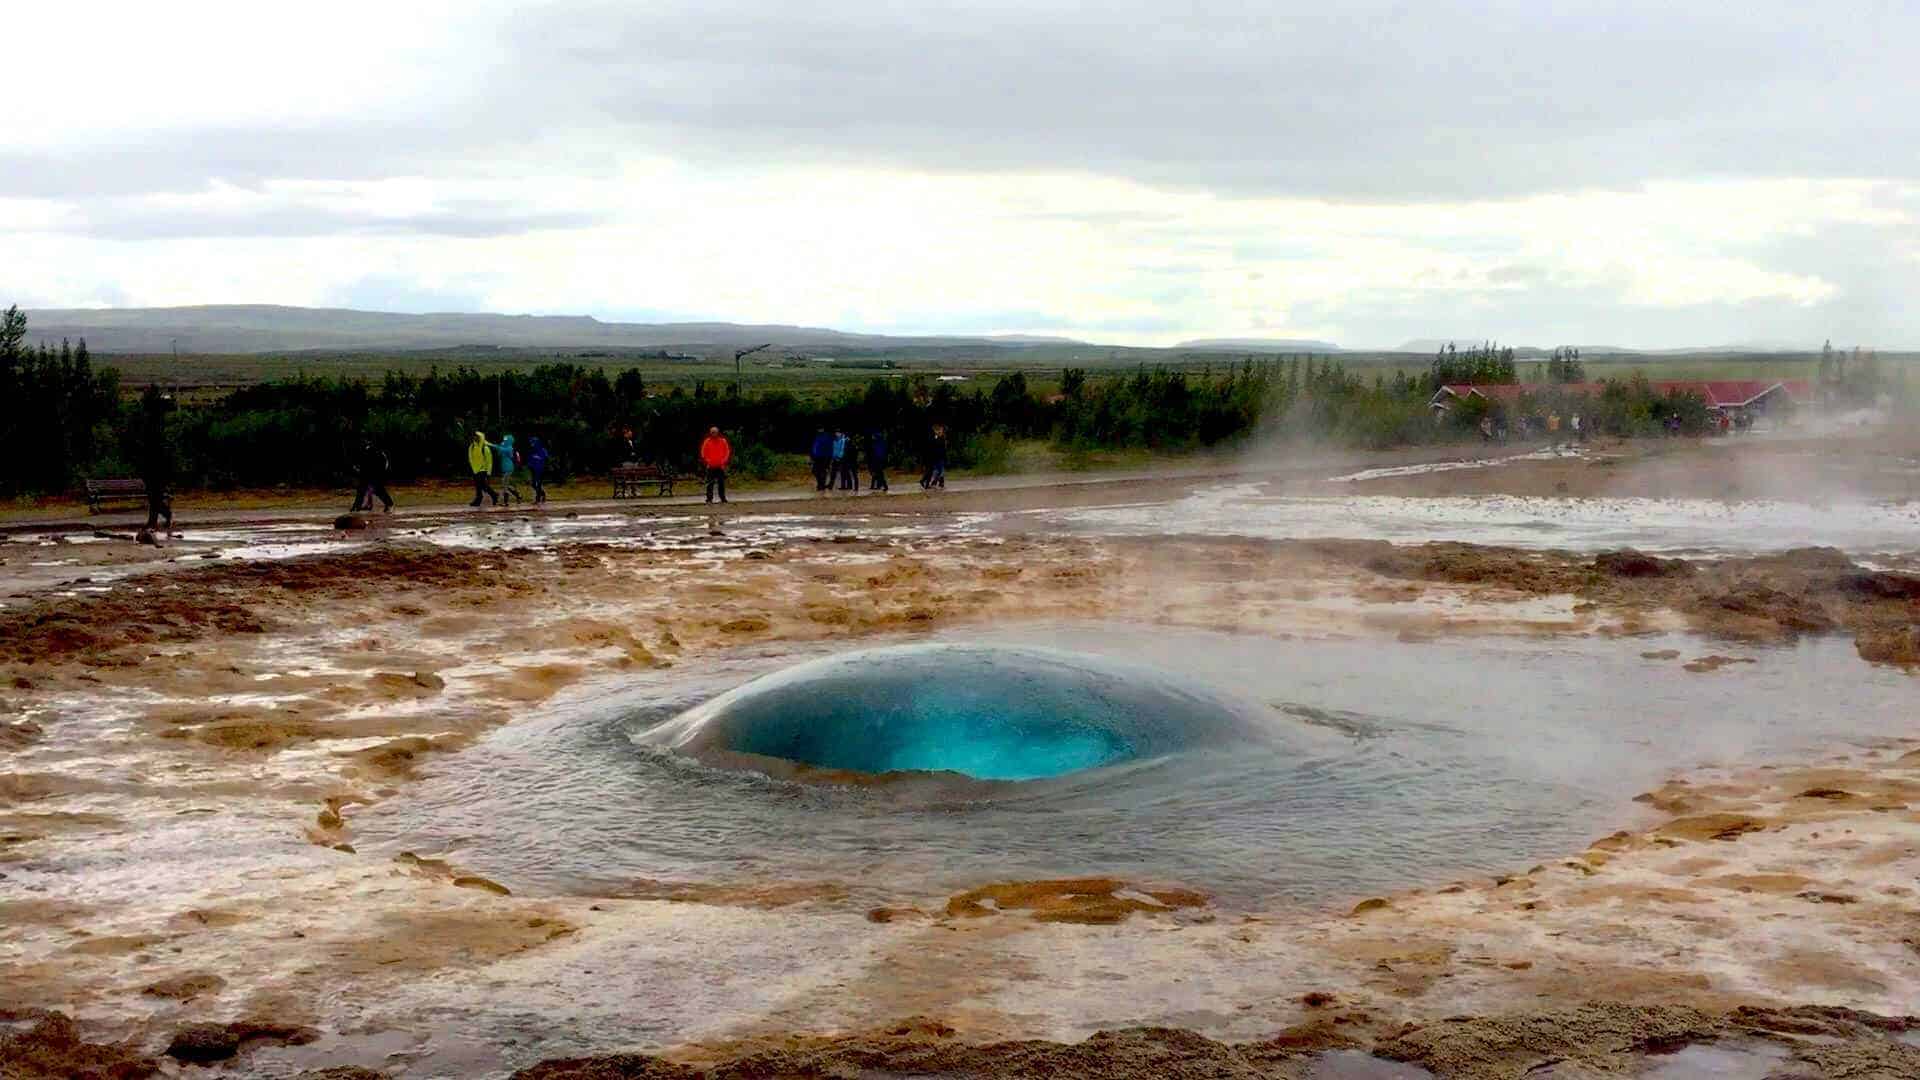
[1393, 765]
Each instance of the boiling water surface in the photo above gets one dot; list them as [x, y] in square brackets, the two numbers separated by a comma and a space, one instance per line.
[1388, 765]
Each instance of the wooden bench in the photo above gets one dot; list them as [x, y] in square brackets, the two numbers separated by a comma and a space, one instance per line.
[100, 491]
[629, 481]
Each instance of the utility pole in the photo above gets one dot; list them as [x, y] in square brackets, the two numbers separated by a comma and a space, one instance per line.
[736, 363]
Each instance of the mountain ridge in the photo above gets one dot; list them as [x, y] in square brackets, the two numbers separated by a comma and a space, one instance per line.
[251, 328]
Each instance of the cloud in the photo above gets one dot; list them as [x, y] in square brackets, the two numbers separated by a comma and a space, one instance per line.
[1375, 99]
[1616, 172]
[387, 292]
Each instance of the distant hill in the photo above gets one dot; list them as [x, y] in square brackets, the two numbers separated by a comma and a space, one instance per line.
[1257, 345]
[255, 328]
[1033, 339]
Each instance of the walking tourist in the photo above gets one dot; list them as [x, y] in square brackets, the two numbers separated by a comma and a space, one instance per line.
[877, 461]
[480, 460]
[537, 469]
[371, 469]
[936, 474]
[509, 458]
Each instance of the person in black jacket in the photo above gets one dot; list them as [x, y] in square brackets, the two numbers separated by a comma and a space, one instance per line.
[936, 474]
[877, 461]
[156, 460]
[371, 468]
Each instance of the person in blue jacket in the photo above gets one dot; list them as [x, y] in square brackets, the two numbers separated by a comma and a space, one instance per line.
[821, 454]
[504, 453]
[537, 468]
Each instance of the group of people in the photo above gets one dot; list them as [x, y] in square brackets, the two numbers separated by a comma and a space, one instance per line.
[482, 457]
[836, 461]
[835, 455]
[1493, 429]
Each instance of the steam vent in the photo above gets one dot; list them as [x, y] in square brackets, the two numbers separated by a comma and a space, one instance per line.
[992, 713]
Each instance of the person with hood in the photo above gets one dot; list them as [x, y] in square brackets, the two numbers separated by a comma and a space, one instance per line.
[509, 458]
[537, 468]
[877, 461]
[714, 454]
[821, 455]
[372, 470]
[480, 460]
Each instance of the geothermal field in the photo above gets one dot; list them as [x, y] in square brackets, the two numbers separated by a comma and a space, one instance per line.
[1565, 764]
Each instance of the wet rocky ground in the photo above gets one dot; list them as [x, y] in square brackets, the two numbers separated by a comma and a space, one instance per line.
[184, 749]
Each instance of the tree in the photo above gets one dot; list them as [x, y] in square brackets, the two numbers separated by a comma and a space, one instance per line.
[1565, 366]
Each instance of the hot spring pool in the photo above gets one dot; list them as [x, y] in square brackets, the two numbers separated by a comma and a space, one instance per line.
[1264, 770]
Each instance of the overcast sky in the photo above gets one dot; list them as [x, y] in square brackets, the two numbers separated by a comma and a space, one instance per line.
[1649, 174]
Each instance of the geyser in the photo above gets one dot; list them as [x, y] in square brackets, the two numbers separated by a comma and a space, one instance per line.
[988, 712]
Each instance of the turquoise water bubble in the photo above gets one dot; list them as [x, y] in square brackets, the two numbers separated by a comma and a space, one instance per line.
[990, 713]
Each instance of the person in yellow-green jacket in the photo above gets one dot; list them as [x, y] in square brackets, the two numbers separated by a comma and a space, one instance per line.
[480, 460]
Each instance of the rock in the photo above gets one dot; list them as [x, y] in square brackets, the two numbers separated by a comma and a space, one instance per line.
[1877, 585]
[351, 522]
[53, 1048]
[1629, 563]
[18, 734]
[186, 987]
[894, 914]
[475, 881]
[218, 1042]
[1371, 904]
[1701, 665]
[342, 1072]
[203, 1042]
[1661, 654]
[1900, 645]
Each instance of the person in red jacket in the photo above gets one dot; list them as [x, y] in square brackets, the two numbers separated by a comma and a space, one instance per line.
[714, 454]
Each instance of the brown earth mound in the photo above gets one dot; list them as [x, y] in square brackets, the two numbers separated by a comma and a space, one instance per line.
[1602, 1037]
[201, 1043]
[1095, 901]
[228, 597]
[1762, 598]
